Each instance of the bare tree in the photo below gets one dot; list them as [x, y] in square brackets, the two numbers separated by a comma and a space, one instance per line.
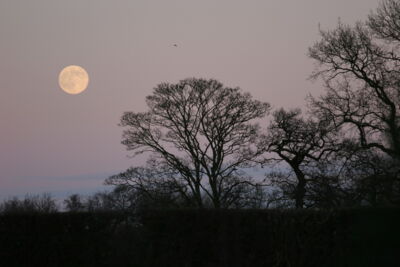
[374, 178]
[74, 203]
[201, 137]
[100, 201]
[152, 186]
[301, 143]
[385, 22]
[360, 66]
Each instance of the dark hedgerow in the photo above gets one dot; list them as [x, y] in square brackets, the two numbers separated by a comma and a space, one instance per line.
[202, 238]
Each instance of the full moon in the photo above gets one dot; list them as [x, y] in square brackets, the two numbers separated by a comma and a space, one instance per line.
[73, 79]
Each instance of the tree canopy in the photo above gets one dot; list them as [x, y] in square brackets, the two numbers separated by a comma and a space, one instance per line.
[360, 66]
[200, 136]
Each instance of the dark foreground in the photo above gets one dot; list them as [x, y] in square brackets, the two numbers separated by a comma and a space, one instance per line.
[203, 238]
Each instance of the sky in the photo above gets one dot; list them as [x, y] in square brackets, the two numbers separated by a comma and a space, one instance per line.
[54, 142]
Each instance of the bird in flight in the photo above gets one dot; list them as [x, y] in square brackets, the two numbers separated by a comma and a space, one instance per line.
[175, 45]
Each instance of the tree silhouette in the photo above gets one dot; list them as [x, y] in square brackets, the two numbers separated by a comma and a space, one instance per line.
[301, 143]
[200, 136]
[360, 66]
[74, 203]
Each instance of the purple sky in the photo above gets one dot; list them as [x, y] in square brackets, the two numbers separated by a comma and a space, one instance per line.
[59, 143]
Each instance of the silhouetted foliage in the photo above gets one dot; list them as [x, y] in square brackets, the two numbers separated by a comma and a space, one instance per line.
[200, 136]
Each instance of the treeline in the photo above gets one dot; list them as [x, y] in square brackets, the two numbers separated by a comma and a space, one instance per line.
[116, 200]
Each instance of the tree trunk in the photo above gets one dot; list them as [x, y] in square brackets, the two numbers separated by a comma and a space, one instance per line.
[300, 188]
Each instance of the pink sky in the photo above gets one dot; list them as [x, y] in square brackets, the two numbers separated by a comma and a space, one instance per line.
[55, 142]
